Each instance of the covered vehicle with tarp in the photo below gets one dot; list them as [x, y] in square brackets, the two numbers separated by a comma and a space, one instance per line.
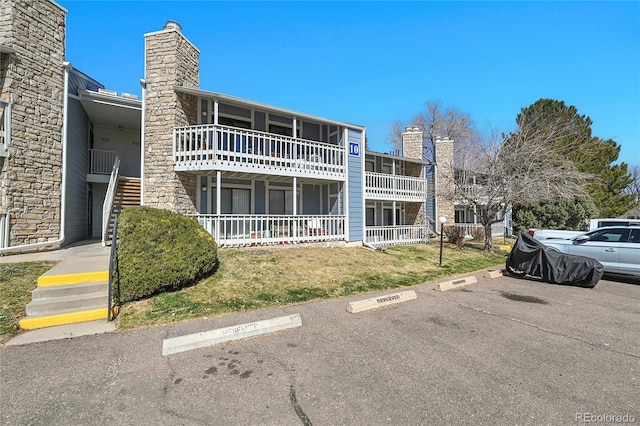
[530, 257]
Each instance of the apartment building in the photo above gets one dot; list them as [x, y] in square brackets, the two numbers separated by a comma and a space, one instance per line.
[72, 153]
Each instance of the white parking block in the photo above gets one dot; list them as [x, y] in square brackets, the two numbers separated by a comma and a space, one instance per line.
[376, 302]
[460, 282]
[493, 274]
[236, 332]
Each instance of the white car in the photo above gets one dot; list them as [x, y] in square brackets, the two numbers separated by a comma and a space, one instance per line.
[616, 247]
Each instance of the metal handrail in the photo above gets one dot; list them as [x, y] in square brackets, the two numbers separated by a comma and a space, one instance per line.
[107, 207]
[114, 275]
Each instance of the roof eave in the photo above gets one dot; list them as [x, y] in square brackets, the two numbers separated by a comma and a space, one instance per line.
[258, 105]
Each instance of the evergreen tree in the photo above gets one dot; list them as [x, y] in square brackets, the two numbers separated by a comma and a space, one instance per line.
[590, 155]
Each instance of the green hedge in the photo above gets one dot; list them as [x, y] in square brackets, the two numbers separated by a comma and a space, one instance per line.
[159, 251]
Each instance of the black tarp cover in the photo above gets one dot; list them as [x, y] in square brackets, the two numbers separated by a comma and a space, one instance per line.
[534, 258]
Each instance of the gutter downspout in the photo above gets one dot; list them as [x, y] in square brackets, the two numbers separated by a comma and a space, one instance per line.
[143, 83]
[63, 190]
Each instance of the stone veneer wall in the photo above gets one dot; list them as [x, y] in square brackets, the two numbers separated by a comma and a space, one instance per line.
[412, 143]
[412, 147]
[171, 60]
[445, 184]
[32, 80]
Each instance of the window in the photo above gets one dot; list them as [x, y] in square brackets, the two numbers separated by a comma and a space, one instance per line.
[5, 127]
[464, 216]
[281, 201]
[234, 122]
[233, 201]
[387, 217]
[604, 223]
[371, 216]
[280, 130]
[613, 235]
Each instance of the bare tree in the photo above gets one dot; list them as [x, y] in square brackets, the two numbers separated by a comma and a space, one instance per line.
[519, 167]
[634, 186]
[436, 121]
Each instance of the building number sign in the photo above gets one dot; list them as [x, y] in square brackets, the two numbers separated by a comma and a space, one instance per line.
[354, 149]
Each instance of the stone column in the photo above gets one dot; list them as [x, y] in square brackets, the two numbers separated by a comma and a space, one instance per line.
[32, 81]
[412, 147]
[445, 183]
[170, 60]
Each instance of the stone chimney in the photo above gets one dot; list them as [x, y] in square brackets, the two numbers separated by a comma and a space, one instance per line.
[412, 142]
[412, 147]
[445, 183]
[170, 60]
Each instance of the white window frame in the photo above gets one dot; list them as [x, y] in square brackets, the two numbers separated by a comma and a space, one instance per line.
[214, 188]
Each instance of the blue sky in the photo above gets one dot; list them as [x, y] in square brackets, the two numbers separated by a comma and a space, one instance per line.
[375, 63]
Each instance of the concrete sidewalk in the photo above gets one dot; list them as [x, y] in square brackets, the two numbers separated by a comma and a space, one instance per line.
[84, 257]
[77, 253]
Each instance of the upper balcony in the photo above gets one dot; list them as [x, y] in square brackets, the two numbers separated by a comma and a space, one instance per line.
[384, 186]
[466, 193]
[212, 147]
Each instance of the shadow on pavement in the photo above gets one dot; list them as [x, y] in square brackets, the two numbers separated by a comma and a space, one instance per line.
[627, 279]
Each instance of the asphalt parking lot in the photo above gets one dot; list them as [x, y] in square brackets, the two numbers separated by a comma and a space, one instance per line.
[502, 351]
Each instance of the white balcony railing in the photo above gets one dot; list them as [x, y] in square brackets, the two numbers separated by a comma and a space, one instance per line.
[472, 230]
[384, 186]
[248, 230]
[396, 235]
[101, 162]
[214, 147]
[471, 192]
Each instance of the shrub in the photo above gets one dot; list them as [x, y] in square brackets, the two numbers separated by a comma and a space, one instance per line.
[455, 234]
[477, 233]
[161, 251]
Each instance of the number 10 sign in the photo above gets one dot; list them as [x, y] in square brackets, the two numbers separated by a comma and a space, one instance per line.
[354, 149]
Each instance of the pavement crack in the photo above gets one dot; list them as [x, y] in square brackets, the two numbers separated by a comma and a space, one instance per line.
[543, 329]
[294, 402]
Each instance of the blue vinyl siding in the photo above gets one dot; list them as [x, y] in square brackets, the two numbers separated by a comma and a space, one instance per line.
[77, 157]
[356, 197]
[430, 206]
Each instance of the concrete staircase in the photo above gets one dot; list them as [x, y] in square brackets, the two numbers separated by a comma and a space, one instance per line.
[67, 298]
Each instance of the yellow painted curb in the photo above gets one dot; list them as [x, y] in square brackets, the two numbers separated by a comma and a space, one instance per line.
[63, 279]
[61, 319]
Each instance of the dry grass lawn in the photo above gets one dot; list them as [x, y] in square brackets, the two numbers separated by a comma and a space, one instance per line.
[257, 278]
